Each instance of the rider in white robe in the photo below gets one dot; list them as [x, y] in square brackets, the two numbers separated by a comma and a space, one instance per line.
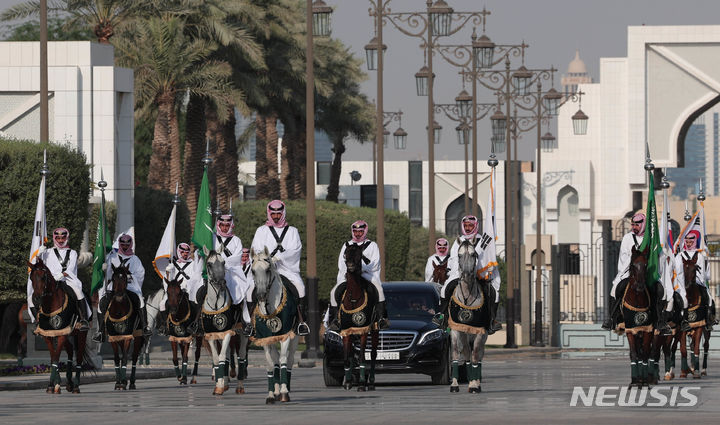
[61, 260]
[370, 271]
[123, 256]
[185, 267]
[701, 275]
[440, 257]
[284, 244]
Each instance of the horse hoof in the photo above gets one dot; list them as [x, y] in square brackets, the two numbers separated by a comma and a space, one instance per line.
[703, 373]
[132, 386]
[239, 390]
[668, 376]
[218, 391]
[347, 386]
[69, 388]
[277, 397]
[285, 397]
[371, 387]
[454, 389]
[232, 373]
[193, 381]
[49, 389]
[696, 376]
[361, 389]
[270, 400]
[76, 390]
[57, 389]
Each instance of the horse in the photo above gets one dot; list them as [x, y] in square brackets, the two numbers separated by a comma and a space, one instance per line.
[357, 299]
[58, 324]
[13, 331]
[219, 318]
[440, 273]
[179, 319]
[696, 317]
[239, 345]
[638, 319]
[469, 320]
[152, 304]
[666, 344]
[274, 319]
[123, 325]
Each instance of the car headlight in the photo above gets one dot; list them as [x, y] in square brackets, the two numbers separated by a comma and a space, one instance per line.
[333, 337]
[431, 336]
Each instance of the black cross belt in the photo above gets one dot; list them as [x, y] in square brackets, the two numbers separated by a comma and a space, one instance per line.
[278, 239]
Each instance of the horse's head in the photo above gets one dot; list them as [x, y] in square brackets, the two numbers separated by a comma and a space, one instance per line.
[215, 264]
[638, 266]
[120, 278]
[353, 258]
[690, 269]
[440, 273]
[467, 260]
[264, 271]
[175, 293]
[43, 283]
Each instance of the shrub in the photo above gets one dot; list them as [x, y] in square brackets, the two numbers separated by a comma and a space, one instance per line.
[67, 188]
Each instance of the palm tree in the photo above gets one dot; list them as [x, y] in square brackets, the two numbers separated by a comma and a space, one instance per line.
[344, 111]
[104, 17]
[168, 65]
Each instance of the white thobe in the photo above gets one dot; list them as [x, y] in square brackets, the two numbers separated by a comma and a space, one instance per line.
[137, 274]
[287, 259]
[370, 270]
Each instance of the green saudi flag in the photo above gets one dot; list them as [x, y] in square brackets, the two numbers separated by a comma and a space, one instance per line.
[98, 276]
[651, 238]
[203, 233]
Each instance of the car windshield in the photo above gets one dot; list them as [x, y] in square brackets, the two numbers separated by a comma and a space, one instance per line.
[411, 303]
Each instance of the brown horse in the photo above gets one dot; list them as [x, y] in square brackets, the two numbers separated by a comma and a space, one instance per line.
[13, 331]
[440, 273]
[696, 316]
[57, 322]
[638, 320]
[357, 320]
[179, 318]
[122, 322]
[666, 344]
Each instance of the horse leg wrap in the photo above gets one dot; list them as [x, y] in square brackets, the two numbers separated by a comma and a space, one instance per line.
[242, 369]
[362, 373]
[78, 369]
[705, 357]
[283, 375]
[117, 374]
[132, 373]
[225, 367]
[216, 372]
[479, 371]
[475, 371]
[348, 374]
[184, 369]
[696, 362]
[69, 372]
[668, 364]
[177, 370]
[455, 370]
[271, 381]
[53, 374]
[684, 363]
[289, 377]
[276, 374]
[634, 372]
[195, 368]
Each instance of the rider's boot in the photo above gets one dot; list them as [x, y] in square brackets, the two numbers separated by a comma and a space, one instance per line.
[102, 305]
[143, 319]
[161, 322]
[614, 313]
[440, 317]
[249, 330]
[303, 328]
[383, 321]
[334, 324]
[662, 326]
[82, 315]
[494, 324]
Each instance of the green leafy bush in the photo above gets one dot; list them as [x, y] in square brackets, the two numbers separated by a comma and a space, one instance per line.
[66, 204]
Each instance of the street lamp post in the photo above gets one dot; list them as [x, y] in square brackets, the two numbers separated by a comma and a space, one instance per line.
[317, 22]
[436, 21]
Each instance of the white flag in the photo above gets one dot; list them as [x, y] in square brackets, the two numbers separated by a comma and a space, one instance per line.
[165, 251]
[40, 229]
[696, 224]
[667, 263]
[489, 236]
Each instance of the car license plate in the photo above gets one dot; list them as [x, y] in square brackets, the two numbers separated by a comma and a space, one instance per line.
[384, 355]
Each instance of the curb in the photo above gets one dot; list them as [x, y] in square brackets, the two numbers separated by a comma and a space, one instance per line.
[32, 384]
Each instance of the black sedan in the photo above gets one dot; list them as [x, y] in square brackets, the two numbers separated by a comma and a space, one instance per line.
[412, 344]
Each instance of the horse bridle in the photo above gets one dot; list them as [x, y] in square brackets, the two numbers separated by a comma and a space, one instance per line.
[462, 292]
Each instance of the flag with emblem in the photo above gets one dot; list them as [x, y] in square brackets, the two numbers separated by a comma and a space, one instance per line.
[489, 236]
[39, 236]
[696, 224]
[651, 238]
[103, 244]
[667, 263]
[203, 231]
[165, 251]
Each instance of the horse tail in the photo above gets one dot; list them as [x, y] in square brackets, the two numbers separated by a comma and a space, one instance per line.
[9, 324]
[88, 360]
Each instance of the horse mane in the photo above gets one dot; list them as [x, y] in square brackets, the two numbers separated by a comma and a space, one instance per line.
[263, 267]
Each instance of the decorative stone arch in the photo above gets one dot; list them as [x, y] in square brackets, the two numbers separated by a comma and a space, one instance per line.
[568, 215]
[454, 212]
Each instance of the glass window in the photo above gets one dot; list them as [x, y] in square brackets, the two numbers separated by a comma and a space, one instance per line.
[416, 191]
[322, 175]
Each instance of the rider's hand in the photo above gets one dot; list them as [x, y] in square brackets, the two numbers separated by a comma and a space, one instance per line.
[59, 276]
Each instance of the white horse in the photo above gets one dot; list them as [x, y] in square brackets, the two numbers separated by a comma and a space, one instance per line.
[468, 319]
[274, 319]
[152, 302]
[218, 318]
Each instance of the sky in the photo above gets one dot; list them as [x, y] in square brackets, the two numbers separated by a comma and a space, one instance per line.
[553, 29]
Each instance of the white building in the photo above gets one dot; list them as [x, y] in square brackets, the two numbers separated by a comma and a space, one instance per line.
[90, 108]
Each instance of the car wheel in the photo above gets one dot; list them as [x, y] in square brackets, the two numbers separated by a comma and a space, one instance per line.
[332, 378]
[443, 377]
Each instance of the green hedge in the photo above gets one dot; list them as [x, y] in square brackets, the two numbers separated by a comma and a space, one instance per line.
[66, 204]
[333, 229]
[152, 210]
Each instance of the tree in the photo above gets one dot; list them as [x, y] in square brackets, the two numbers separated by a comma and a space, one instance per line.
[30, 31]
[168, 65]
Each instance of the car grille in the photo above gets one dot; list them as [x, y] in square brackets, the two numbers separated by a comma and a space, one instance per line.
[393, 341]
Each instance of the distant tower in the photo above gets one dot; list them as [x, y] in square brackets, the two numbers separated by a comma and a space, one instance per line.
[577, 74]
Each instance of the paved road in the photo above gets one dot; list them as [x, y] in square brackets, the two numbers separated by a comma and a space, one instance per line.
[526, 388]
